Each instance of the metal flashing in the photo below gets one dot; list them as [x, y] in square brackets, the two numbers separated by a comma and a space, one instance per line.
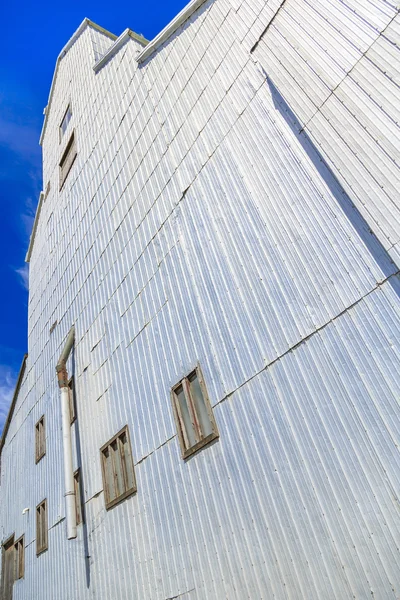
[170, 29]
[119, 42]
[34, 228]
[13, 402]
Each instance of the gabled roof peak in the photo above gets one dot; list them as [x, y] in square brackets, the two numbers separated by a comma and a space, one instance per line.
[119, 42]
[85, 23]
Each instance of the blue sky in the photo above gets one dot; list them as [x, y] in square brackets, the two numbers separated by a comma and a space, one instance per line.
[33, 33]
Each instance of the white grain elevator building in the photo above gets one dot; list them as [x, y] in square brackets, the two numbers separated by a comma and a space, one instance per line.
[214, 270]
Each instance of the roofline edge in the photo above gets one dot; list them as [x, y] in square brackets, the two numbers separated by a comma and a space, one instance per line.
[13, 402]
[34, 228]
[172, 26]
[119, 42]
[85, 23]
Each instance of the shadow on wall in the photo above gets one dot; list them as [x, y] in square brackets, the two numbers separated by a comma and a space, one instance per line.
[82, 478]
[358, 222]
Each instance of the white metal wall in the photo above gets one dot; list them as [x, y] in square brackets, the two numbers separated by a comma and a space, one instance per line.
[198, 224]
[337, 63]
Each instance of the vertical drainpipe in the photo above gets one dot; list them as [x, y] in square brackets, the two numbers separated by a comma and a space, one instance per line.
[62, 376]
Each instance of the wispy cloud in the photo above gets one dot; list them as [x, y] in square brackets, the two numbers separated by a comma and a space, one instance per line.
[27, 219]
[28, 216]
[21, 155]
[23, 276]
[7, 386]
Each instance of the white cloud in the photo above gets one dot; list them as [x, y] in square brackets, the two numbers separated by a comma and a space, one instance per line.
[27, 219]
[7, 386]
[28, 216]
[23, 275]
[24, 153]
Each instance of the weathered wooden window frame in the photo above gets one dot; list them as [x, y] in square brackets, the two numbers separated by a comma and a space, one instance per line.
[40, 439]
[78, 497]
[42, 541]
[8, 544]
[128, 492]
[60, 130]
[201, 440]
[70, 153]
[71, 399]
[19, 550]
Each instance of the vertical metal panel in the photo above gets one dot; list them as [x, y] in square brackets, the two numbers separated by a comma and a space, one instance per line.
[337, 65]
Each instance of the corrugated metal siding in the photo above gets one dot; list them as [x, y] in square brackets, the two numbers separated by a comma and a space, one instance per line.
[337, 65]
[101, 43]
[198, 224]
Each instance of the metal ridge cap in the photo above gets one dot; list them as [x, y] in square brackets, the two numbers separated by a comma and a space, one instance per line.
[119, 42]
[85, 23]
[34, 228]
[180, 18]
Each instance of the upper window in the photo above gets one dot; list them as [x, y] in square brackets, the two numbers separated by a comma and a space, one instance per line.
[67, 159]
[40, 439]
[19, 548]
[65, 121]
[117, 468]
[193, 413]
[41, 527]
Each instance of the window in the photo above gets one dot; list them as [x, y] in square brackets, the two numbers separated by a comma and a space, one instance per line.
[19, 548]
[78, 497]
[193, 413]
[71, 396]
[117, 468]
[8, 570]
[65, 121]
[41, 527]
[40, 439]
[67, 159]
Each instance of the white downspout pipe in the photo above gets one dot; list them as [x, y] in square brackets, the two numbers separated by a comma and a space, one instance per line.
[62, 375]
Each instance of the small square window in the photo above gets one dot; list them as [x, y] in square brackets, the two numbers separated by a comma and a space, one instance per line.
[71, 397]
[117, 468]
[67, 159]
[40, 439]
[193, 413]
[78, 497]
[64, 123]
[41, 527]
[19, 548]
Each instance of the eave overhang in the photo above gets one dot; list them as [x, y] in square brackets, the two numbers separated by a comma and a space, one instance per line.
[13, 402]
[128, 34]
[34, 228]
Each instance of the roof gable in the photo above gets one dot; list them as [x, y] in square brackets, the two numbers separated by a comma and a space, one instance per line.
[84, 25]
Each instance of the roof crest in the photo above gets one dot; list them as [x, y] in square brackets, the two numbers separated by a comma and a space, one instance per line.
[85, 23]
